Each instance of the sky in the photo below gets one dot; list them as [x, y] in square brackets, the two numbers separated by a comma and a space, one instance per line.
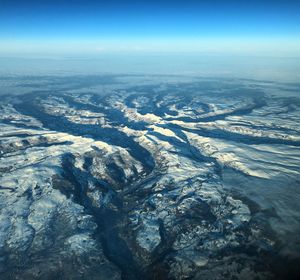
[116, 26]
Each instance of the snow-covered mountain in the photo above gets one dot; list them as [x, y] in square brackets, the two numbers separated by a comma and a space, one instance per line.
[144, 177]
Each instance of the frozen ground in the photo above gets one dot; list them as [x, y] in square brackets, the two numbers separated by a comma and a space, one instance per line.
[147, 177]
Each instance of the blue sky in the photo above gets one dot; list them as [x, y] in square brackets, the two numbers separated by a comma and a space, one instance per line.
[122, 26]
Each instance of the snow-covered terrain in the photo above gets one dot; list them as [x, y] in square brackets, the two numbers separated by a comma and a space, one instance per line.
[132, 177]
